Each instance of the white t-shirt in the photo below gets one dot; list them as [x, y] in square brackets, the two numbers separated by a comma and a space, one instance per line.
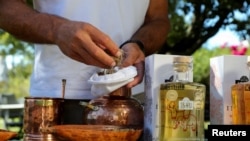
[119, 19]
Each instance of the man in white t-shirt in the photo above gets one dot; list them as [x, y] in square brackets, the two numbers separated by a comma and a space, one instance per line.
[74, 38]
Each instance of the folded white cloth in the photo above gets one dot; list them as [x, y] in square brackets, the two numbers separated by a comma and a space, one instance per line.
[104, 84]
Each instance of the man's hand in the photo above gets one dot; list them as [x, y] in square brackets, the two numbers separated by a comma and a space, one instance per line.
[85, 43]
[134, 56]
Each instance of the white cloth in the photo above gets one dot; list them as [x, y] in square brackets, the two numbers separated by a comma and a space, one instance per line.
[119, 19]
[105, 84]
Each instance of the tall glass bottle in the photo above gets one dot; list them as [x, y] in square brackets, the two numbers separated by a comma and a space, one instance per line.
[182, 105]
[240, 94]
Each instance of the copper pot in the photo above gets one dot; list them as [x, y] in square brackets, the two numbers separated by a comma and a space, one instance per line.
[39, 113]
[117, 108]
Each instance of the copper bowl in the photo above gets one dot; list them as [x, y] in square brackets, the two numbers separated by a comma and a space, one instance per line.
[7, 135]
[95, 132]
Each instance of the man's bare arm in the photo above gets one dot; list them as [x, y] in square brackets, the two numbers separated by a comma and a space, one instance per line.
[78, 40]
[17, 18]
[151, 35]
[156, 26]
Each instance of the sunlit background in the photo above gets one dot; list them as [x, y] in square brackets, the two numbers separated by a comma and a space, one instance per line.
[198, 33]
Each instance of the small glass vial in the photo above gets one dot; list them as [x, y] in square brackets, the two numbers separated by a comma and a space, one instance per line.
[182, 105]
[240, 94]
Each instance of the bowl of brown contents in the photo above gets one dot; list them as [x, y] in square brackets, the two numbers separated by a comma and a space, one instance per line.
[95, 132]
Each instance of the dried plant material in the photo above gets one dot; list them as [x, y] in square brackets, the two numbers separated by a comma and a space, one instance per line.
[6, 135]
[118, 61]
[95, 132]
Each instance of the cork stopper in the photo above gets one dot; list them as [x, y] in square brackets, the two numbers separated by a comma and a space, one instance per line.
[182, 59]
[248, 61]
[248, 58]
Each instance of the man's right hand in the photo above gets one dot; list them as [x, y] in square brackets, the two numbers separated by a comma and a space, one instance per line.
[85, 43]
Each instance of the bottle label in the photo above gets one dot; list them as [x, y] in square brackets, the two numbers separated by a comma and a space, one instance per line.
[178, 86]
[172, 95]
[186, 104]
[181, 113]
[198, 99]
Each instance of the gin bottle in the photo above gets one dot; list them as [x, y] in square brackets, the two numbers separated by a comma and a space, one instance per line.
[240, 93]
[182, 105]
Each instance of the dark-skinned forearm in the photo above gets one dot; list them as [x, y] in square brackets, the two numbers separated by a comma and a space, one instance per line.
[23, 22]
[153, 32]
[152, 35]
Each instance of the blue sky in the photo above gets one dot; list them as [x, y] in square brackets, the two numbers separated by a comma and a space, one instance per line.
[222, 37]
[226, 35]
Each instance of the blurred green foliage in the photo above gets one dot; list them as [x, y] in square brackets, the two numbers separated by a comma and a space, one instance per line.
[18, 80]
[19, 74]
